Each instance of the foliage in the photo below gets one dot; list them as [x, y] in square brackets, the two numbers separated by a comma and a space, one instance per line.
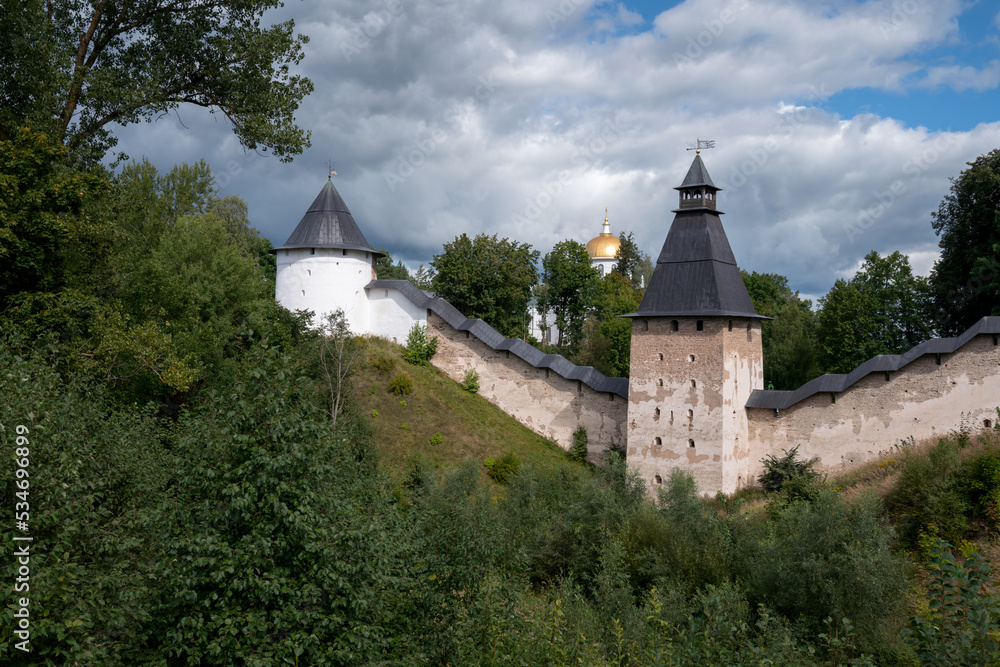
[419, 348]
[273, 541]
[96, 472]
[628, 258]
[82, 67]
[779, 472]
[437, 439]
[789, 339]
[383, 364]
[503, 469]
[826, 558]
[960, 628]
[572, 288]
[337, 352]
[578, 450]
[606, 337]
[471, 381]
[386, 270]
[488, 278]
[42, 198]
[966, 278]
[401, 384]
[883, 309]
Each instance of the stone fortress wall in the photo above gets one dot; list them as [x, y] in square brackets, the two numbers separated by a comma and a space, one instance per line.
[939, 386]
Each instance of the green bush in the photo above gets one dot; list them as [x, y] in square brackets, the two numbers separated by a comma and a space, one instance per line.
[502, 470]
[960, 627]
[401, 384]
[471, 381]
[788, 469]
[384, 365]
[419, 349]
[578, 450]
[436, 439]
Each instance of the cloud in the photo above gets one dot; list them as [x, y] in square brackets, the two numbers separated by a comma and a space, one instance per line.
[526, 119]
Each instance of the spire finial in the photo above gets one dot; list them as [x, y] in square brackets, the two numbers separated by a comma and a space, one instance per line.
[702, 143]
[329, 165]
[607, 227]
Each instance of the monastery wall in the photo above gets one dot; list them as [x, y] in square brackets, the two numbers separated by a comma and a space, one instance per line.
[923, 399]
[541, 399]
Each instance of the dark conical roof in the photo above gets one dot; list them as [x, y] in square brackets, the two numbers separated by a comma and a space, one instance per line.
[327, 224]
[696, 272]
[697, 175]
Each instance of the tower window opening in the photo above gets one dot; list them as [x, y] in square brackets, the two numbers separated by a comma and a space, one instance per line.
[671, 416]
[700, 325]
[690, 357]
[345, 252]
[645, 325]
[303, 292]
[693, 384]
[690, 443]
[690, 417]
[657, 480]
[312, 251]
[674, 325]
[661, 356]
[658, 441]
[309, 271]
[600, 270]
[730, 325]
[579, 385]
[748, 327]
[656, 414]
[987, 423]
[661, 382]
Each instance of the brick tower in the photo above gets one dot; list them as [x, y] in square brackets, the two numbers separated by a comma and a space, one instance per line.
[696, 352]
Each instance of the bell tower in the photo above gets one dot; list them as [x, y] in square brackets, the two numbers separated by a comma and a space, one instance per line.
[696, 352]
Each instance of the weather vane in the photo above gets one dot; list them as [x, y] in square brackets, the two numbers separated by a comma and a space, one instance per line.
[702, 143]
[329, 165]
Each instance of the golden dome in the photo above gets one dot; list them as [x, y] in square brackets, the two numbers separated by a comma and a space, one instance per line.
[604, 246]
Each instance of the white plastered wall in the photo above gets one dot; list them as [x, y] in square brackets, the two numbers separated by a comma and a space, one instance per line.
[323, 280]
[391, 315]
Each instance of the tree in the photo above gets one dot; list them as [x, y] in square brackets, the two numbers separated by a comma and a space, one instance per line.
[883, 309]
[75, 68]
[386, 270]
[488, 278]
[572, 283]
[607, 337]
[966, 277]
[338, 353]
[423, 277]
[41, 200]
[788, 340]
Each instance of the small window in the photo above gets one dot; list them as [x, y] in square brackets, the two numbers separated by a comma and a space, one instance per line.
[312, 251]
[658, 441]
[690, 416]
[671, 416]
[579, 384]
[693, 384]
[674, 325]
[387, 296]
[661, 356]
[657, 480]
[303, 292]
[309, 271]
[987, 423]
[690, 357]
[286, 253]
[345, 252]
[690, 443]
[700, 325]
[730, 325]
[656, 414]
[600, 270]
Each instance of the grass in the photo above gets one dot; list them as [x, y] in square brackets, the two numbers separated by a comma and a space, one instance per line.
[407, 427]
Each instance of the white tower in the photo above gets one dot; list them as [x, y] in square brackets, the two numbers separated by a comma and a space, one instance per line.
[326, 263]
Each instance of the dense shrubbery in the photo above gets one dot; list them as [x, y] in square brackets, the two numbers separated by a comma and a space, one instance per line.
[419, 348]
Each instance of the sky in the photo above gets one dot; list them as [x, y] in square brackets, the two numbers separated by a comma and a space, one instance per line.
[837, 125]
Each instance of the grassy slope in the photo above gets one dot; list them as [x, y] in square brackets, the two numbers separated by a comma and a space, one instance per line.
[470, 426]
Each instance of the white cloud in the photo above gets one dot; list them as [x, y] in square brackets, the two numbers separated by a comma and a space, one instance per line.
[474, 116]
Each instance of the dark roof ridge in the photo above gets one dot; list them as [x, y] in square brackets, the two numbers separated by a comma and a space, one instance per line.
[328, 223]
[838, 382]
[528, 353]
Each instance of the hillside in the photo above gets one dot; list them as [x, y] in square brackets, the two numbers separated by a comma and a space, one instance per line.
[407, 426]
